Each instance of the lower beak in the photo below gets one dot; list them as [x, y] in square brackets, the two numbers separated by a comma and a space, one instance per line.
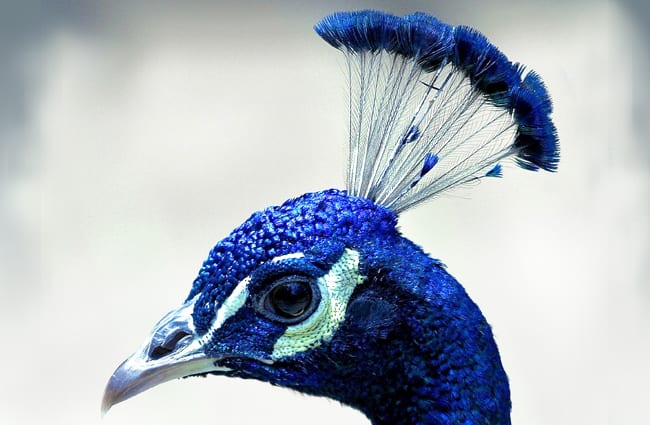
[172, 350]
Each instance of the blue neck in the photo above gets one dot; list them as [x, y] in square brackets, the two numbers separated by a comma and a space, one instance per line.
[414, 348]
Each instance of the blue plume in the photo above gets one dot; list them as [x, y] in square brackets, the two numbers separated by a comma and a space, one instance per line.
[537, 140]
[367, 30]
[496, 171]
[488, 69]
[412, 134]
[429, 162]
[423, 89]
[425, 39]
[494, 75]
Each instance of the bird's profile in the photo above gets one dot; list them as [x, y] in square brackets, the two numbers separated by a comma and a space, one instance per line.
[323, 294]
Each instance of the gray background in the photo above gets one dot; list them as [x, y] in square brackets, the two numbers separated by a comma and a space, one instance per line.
[134, 135]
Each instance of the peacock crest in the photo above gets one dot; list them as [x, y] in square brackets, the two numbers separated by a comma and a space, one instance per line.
[433, 106]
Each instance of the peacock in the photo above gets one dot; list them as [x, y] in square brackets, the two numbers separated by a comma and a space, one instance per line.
[322, 294]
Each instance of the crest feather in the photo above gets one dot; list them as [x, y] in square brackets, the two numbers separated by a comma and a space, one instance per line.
[434, 106]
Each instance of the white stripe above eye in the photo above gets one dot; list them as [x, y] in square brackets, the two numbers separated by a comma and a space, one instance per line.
[288, 256]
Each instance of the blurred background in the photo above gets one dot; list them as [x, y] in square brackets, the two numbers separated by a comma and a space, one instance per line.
[135, 134]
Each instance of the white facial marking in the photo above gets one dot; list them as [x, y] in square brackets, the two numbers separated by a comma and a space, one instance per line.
[288, 256]
[230, 306]
[235, 301]
[335, 287]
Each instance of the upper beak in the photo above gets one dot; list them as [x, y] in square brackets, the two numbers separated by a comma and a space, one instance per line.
[172, 350]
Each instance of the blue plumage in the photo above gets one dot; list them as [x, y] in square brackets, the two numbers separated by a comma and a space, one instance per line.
[430, 161]
[496, 171]
[427, 350]
[294, 226]
[322, 293]
[432, 43]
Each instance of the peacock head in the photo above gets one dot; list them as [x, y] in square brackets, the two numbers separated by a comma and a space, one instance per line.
[272, 300]
[322, 293]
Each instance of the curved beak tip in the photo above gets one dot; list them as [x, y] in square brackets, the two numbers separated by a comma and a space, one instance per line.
[111, 397]
[113, 394]
[141, 371]
[105, 408]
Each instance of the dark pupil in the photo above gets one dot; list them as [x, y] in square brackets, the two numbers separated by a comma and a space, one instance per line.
[291, 299]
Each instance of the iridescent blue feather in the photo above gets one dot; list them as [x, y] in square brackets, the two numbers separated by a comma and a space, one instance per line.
[420, 89]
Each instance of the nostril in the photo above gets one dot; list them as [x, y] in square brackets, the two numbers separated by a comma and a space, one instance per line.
[159, 352]
[168, 345]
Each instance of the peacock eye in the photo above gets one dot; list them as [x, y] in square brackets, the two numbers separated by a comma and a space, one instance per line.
[291, 299]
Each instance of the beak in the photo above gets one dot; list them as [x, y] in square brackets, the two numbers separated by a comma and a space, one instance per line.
[172, 350]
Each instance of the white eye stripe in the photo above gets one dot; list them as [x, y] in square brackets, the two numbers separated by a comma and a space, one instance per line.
[236, 300]
[336, 287]
[230, 306]
[287, 257]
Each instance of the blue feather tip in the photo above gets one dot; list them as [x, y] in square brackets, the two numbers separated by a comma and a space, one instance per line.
[432, 44]
[496, 171]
